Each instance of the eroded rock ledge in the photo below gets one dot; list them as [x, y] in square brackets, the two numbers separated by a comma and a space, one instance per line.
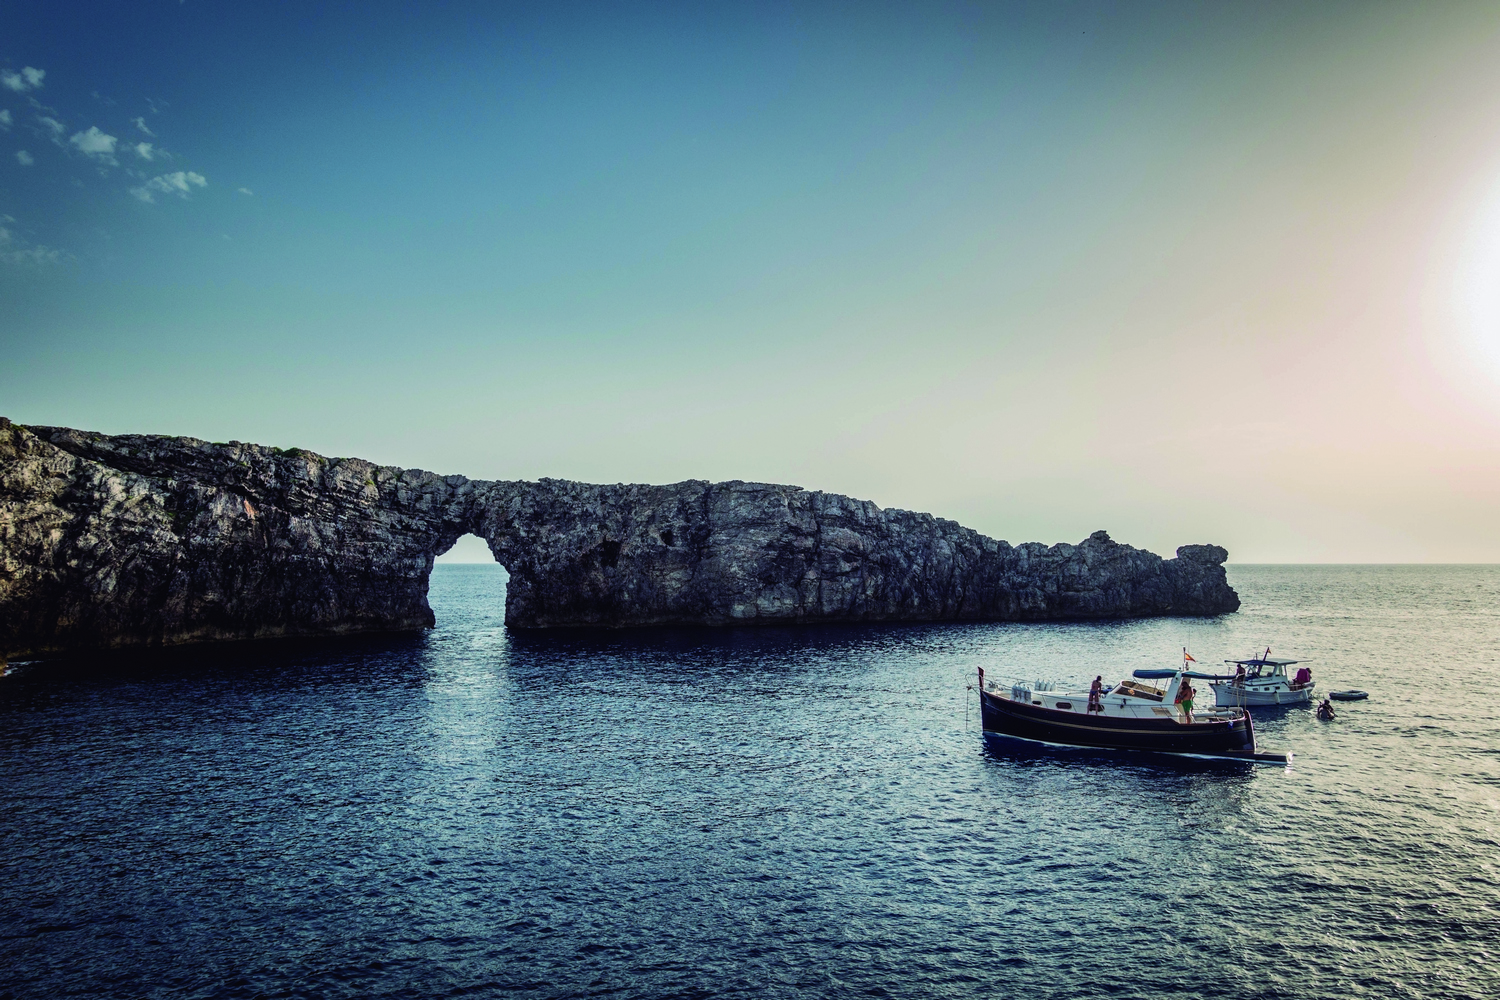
[140, 539]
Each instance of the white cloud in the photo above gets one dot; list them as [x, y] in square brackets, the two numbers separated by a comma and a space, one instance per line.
[24, 158]
[143, 150]
[245, 191]
[16, 251]
[96, 144]
[179, 183]
[5, 119]
[140, 123]
[53, 127]
[30, 78]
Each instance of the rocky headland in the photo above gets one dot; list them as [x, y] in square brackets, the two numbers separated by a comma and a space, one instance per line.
[134, 539]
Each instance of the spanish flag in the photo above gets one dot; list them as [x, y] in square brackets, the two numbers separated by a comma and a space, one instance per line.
[1187, 657]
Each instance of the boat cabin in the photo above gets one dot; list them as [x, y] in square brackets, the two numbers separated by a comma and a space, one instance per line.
[1263, 666]
[1136, 697]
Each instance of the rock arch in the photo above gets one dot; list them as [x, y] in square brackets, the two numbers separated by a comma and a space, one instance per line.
[142, 539]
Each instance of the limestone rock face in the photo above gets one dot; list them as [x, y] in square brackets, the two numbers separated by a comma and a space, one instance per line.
[142, 539]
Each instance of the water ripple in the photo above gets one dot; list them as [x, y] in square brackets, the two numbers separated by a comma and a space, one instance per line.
[753, 813]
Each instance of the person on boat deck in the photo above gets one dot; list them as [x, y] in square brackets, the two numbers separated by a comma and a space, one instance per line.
[1185, 698]
[1096, 694]
[1303, 676]
[1239, 676]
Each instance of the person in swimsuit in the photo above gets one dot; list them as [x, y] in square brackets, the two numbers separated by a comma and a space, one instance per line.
[1096, 695]
[1185, 698]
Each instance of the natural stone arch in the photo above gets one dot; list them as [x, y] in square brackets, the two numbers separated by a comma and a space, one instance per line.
[142, 539]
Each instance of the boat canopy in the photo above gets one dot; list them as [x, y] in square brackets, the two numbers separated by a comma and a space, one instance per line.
[1264, 661]
[1194, 674]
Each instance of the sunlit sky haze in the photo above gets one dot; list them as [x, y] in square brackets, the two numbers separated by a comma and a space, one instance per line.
[1188, 272]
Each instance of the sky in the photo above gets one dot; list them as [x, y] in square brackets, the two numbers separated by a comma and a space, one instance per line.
[1188, 272]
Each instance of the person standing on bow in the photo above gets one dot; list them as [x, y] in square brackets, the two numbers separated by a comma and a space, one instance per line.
[1096, 695]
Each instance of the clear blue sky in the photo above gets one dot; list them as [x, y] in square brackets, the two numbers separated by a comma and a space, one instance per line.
[1188, 272]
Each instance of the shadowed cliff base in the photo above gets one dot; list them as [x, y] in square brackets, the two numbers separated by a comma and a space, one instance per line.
[126, 540]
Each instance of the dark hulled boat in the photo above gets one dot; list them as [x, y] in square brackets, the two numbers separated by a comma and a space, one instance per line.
[1130, 715]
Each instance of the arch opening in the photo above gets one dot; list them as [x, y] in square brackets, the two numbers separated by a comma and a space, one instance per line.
[466, 550]
[467, 585]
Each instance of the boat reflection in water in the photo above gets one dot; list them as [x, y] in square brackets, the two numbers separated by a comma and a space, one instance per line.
[1142, 714]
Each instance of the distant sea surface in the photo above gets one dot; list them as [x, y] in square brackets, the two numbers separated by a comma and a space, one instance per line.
[770, 812]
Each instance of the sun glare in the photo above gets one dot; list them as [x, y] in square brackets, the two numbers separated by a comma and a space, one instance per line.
[1479, 284]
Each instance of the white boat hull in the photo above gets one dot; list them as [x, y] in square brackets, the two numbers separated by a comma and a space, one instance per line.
[1254, 695]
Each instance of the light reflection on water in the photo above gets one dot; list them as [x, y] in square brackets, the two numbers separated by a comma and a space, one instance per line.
[754, 812]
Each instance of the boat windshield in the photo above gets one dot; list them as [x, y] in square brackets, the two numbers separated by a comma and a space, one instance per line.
[1138, 690]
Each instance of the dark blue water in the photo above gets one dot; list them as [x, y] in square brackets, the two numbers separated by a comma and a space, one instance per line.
[749, 813]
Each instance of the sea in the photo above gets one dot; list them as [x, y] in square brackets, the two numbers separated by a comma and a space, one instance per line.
[756, 812]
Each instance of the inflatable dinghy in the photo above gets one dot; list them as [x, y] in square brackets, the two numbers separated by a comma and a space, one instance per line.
[1348, 695]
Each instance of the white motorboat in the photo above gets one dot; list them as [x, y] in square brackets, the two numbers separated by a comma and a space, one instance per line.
[1262, 681]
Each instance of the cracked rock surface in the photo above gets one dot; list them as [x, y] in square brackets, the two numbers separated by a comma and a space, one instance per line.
[137, 539]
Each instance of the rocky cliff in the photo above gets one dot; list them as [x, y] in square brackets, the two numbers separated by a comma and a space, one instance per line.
[141, 539]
